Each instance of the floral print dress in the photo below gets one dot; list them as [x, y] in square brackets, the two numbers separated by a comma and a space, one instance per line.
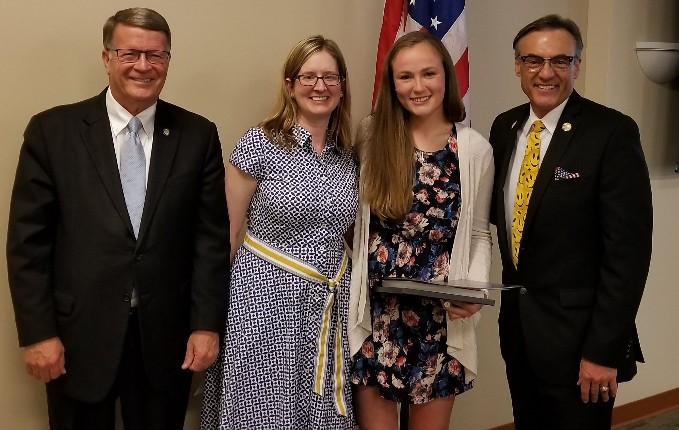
[406, 356]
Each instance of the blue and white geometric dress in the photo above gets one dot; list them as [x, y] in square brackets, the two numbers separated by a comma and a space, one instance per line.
[263, 379]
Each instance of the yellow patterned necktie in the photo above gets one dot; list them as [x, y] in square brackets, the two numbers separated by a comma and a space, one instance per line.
[524, 186]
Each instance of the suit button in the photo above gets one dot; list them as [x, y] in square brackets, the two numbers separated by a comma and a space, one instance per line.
[138, 257]
[127, 298]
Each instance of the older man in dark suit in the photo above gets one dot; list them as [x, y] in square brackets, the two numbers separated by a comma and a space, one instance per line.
[572, 206]
[118, 242]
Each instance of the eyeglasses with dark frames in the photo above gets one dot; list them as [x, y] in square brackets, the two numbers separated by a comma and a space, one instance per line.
[133, 55]
[330, 80]
[534, 63]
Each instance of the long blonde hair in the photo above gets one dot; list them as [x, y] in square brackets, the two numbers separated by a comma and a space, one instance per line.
[387, 167]
[278, 127]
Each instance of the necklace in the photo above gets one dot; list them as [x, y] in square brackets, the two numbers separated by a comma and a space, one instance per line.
[419, 154]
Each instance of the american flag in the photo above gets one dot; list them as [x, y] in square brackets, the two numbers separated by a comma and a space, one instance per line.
[443, 18]
[561, 174]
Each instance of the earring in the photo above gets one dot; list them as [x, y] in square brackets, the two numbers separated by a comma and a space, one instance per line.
[292, 96]
[341, 94]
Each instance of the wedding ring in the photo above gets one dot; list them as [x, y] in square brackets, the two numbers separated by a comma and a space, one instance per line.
[603, 389]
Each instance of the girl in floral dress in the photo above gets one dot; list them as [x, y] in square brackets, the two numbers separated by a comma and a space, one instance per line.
[425, 188]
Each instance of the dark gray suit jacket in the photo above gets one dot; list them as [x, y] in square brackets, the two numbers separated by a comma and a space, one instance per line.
[586, 245]
[72, 257]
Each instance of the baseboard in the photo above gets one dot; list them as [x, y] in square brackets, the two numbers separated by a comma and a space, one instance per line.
[634, 411]
[644, 408]
[509, 426]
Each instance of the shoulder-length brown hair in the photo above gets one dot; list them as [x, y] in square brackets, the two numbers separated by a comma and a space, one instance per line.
[278, 127]
[387, 168]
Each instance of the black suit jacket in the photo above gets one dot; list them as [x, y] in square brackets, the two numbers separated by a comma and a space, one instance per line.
[586, 245]
[71, 253]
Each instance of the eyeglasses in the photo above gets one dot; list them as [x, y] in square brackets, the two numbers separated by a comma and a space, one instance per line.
[133, 55]
[534, 63]
[330, 80]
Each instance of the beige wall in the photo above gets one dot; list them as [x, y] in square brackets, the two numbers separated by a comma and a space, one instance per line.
[226, 59]
[615, 74]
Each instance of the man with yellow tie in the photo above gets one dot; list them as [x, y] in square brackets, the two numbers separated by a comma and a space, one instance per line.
[572, 206]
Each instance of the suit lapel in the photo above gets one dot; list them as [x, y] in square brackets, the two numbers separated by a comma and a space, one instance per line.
[165, 143]
[558, 145]
[510, 146]
[99, 144]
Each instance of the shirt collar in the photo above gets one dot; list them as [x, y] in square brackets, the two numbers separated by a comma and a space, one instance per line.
[120, 117]
[551, 120]
[303, 138]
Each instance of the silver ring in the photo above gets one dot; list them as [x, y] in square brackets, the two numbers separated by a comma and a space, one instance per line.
[446, 305]
[604, 389]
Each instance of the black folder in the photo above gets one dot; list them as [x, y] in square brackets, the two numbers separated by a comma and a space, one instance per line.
[462, 290]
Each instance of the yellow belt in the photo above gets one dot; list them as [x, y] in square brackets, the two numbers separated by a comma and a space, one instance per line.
[303, 270]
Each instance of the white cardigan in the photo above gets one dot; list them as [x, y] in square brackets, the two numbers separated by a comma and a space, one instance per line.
[470, 258]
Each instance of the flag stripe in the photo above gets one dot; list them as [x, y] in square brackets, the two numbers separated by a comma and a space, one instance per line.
[391, 21]
[456, 38]
[461, 68]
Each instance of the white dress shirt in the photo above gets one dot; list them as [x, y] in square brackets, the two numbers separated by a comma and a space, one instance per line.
[551, 120]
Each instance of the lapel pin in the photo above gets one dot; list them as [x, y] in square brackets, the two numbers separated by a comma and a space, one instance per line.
[566, 126]
[166, 131]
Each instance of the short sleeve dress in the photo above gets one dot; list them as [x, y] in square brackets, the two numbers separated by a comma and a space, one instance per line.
[303, 204]
[406, 355]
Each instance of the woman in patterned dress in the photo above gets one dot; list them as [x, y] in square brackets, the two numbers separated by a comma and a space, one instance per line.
[424, 215]
[285, 357]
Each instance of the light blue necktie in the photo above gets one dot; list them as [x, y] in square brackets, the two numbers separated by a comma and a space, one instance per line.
[133, 173]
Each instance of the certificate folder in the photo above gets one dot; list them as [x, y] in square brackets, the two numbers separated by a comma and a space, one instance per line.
[462, 290]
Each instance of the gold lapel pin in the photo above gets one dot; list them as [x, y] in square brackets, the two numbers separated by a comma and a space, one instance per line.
[566, 126]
